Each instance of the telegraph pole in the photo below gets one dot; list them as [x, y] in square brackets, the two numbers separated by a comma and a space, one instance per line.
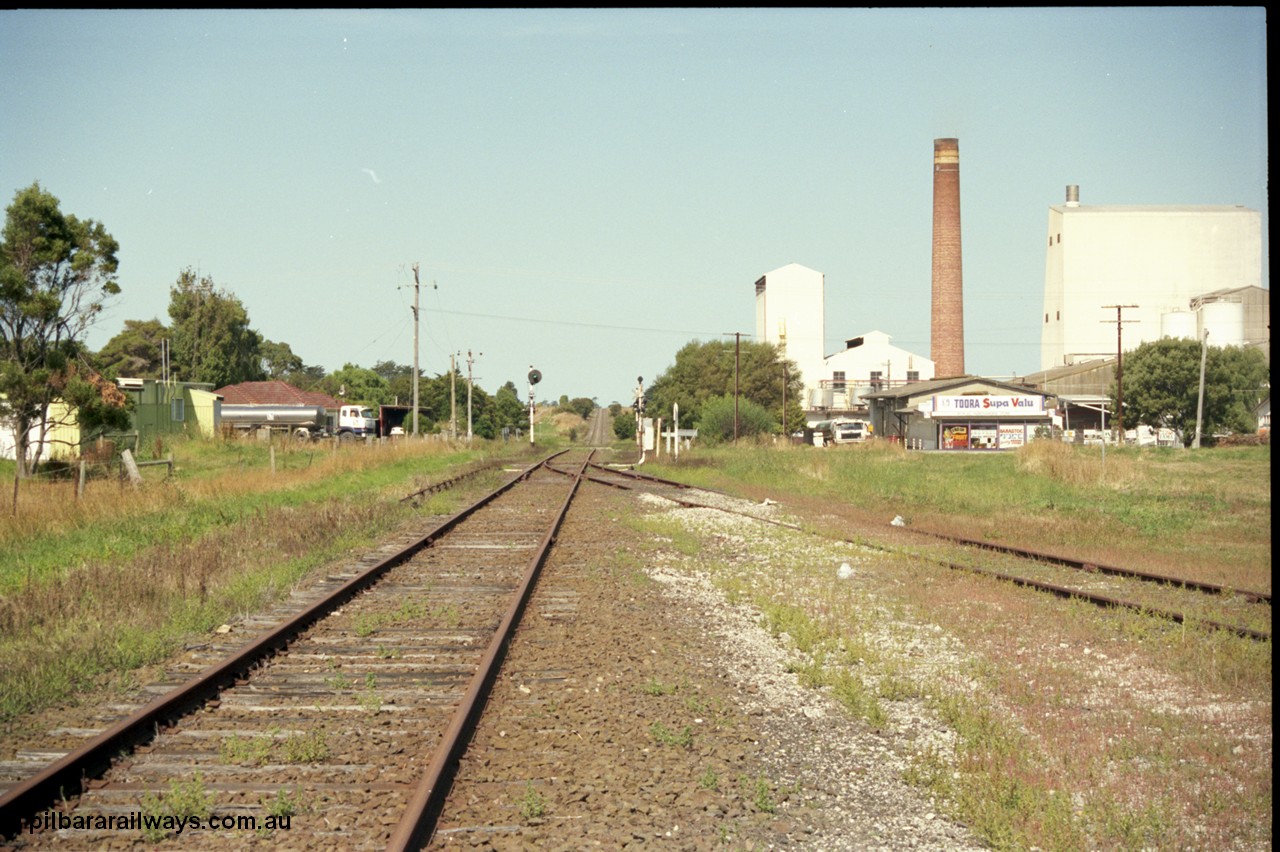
[786, 433]
[470, 360]
[1204, 356]
[737, 356]
[415, 349]
[453, 399]
[1120, 364]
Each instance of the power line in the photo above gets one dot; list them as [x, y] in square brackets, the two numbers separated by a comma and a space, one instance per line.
[585, 324]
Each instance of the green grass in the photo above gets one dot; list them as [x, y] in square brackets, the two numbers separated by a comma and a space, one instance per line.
[1048, 745]
[149, 567]
[186, 513]
[1151, 504]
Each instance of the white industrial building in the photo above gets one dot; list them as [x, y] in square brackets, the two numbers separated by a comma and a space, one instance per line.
[1163, 270]
[790, 313]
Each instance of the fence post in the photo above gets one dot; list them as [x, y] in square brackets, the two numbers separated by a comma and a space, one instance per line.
[131, 467]
[80, 481]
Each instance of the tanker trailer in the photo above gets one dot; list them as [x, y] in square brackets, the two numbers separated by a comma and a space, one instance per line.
[302, 421]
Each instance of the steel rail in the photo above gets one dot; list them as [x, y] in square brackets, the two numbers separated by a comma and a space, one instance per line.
[1100, 568]
[425, 806]
[474, 470]
[1060, 591]
[66, 776]
[1105, 601]
[1049, 558]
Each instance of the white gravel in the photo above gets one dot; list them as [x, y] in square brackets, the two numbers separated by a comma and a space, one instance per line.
[847, 772]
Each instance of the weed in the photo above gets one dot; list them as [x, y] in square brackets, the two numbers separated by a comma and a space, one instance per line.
[369, 699]
[531, 805]
[285, 804]
[448, 615]
[245, 751]
[656, 687]
[761, 794]
[709, 780]
[184, 800]
[667, 737]
[311, 747]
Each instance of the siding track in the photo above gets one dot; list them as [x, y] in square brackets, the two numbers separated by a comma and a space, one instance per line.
[1095, 583]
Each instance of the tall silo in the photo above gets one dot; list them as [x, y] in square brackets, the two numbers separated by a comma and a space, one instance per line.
[1224, 320]
[1178, 324]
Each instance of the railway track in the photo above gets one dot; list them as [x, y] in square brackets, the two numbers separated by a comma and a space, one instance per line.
[364, 700]
[1102, 584]
[363, 706]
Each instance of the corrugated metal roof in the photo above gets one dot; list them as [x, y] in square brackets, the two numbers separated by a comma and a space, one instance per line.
[934, 386]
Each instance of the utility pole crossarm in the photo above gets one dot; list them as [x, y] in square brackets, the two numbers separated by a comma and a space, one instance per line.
[1120, 321]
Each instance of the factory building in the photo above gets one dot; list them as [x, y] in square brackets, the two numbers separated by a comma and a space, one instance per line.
[790, 314]
[1160, 270]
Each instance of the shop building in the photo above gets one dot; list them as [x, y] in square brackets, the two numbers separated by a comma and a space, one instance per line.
[960, 413]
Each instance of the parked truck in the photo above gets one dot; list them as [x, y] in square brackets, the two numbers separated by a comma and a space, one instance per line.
[305, 422]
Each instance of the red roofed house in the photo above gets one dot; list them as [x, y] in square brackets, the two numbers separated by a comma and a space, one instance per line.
[343, 420]
[274, 393]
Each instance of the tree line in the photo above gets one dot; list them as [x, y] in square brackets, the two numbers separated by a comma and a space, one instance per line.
[58, 271]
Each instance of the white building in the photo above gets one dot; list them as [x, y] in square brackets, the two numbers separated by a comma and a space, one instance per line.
[790, 314]
[1152, 260]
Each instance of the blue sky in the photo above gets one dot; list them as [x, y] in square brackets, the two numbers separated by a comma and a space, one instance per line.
[591, 189]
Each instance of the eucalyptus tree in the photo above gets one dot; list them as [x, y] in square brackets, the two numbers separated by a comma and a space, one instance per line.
[56, 273]
[136, 352]
[212, 340]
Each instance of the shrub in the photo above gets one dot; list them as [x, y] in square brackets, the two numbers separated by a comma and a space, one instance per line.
[715, 421]
[624, 426]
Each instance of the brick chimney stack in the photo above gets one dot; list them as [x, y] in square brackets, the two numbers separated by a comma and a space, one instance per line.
[946, 342]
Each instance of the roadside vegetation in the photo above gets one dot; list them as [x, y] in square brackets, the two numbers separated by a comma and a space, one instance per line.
[96, 587]
[1054, 725]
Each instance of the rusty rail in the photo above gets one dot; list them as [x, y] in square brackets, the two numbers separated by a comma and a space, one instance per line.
[1052, 588]
[66, 776]
[1100, 568]
[427, 802]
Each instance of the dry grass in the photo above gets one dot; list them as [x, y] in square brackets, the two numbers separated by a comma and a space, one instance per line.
[1061, 462]
[566, 423]
[118, 579]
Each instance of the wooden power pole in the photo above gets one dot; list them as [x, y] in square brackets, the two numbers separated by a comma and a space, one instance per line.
[1120, 364]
